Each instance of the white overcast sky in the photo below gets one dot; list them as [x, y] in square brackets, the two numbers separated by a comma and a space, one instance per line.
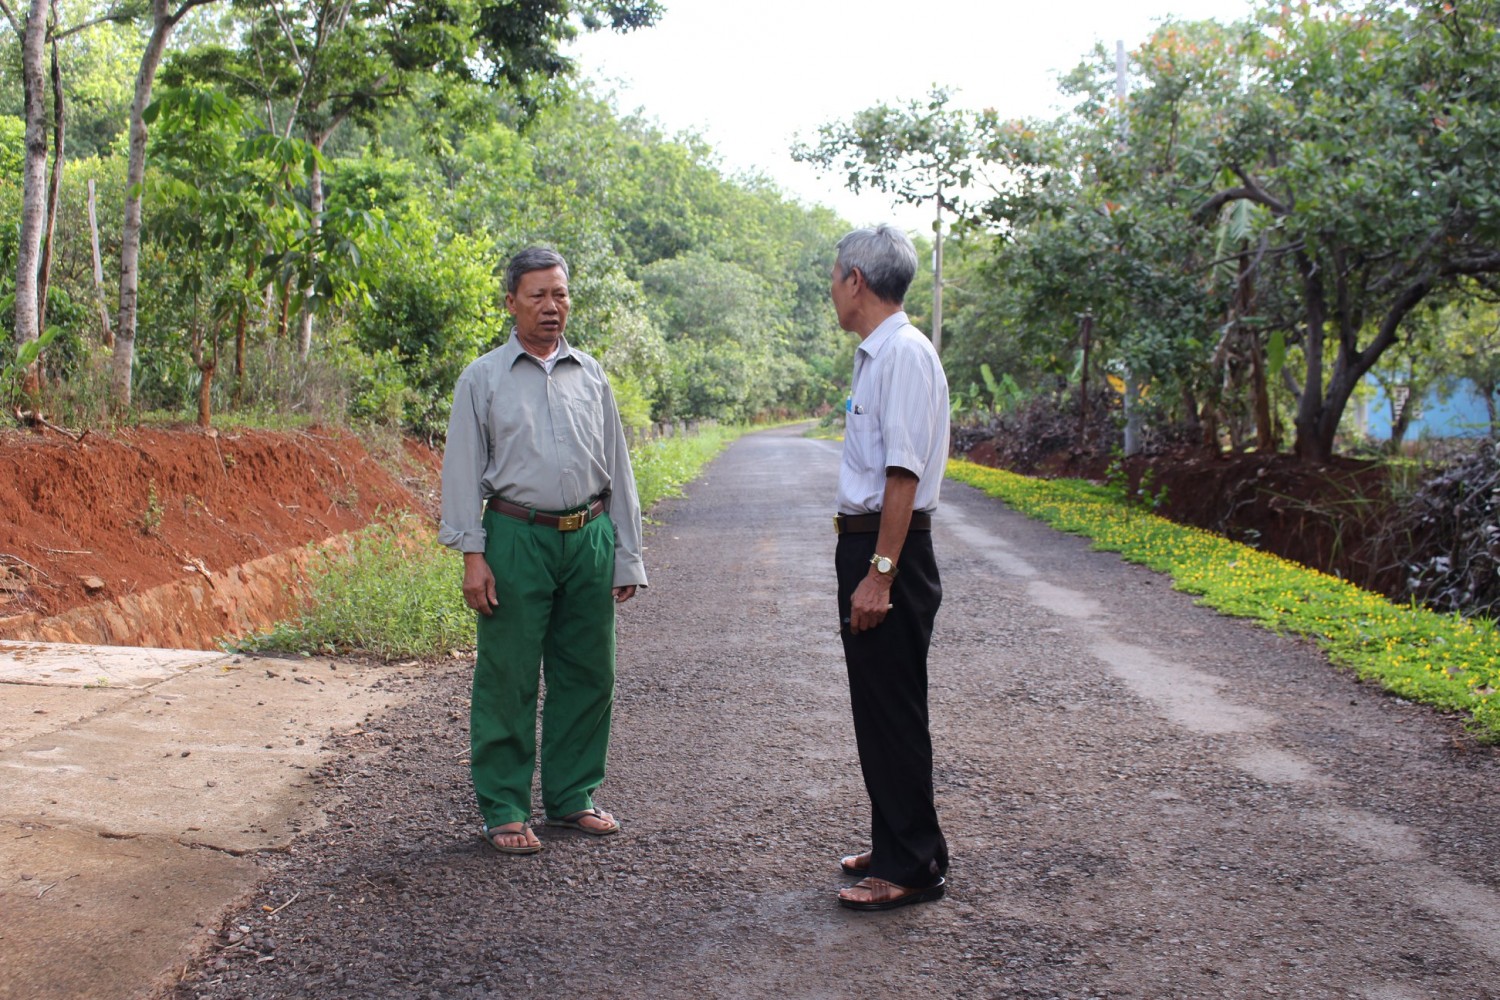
[751, 77]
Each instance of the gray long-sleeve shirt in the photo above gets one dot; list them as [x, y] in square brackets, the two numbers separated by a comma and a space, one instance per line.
[545, 440]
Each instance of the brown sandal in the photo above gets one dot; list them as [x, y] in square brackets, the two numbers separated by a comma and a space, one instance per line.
[894, 895]
[857, 865]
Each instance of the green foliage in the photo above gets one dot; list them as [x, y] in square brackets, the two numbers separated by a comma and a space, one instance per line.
[1118, 487]
[153, 512]
[1247, 234]
[1440, 660]
[12, 146]
[662, 467]
[432, 308]
[13, 371]
[433, 177]
[632, 402]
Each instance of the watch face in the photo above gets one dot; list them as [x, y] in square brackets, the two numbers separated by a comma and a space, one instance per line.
[882, 565]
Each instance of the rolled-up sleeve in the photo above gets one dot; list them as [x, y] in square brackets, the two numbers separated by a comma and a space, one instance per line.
[464, 458]
[624, 502]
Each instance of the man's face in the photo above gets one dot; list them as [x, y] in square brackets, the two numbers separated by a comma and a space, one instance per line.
[540, 308]
[842, 292]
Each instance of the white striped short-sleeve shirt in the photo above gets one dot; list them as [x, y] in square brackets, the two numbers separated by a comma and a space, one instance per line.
[896, 416]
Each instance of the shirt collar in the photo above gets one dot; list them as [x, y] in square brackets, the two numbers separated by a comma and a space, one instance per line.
[512, 352]
[882, 334]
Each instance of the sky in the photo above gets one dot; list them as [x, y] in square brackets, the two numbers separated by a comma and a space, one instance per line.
[751, 78]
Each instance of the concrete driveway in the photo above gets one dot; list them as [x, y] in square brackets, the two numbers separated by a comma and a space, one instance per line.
[133, 785]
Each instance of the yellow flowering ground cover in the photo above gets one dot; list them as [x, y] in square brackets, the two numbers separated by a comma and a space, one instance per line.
[1446, 661]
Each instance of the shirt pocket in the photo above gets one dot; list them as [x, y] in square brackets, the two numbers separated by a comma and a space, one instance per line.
[861, 434]
[584, 407]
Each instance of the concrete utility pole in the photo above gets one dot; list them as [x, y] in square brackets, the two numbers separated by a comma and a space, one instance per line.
[1132, 387]
[937, 275]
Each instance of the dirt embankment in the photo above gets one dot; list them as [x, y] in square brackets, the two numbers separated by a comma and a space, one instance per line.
[1332, 517]
[179, 537]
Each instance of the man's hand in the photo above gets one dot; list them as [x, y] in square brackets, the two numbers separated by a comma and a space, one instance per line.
[479, 584]
[625, 593]
[870, 603]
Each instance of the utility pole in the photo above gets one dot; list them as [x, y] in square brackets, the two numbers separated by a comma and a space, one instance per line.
[1132, 387]
[937, 275]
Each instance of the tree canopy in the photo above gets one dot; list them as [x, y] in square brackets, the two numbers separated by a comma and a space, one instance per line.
[1247, 233]
[374, 164]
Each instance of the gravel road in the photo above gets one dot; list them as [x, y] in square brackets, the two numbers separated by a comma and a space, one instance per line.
[1143, 799]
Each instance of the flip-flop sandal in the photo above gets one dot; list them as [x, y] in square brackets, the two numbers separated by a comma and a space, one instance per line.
[490, 835]
[573, 822]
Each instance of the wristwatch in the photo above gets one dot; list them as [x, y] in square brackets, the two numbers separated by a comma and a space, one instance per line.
[883, 565]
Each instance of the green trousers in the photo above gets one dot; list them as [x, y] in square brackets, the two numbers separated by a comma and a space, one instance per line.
[556, 612]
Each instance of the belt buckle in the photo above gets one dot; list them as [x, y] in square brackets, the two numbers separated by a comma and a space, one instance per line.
[572, 522]
[838, 524]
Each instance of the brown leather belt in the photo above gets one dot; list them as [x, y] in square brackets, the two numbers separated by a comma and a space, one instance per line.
[562, 522]
[865, 524]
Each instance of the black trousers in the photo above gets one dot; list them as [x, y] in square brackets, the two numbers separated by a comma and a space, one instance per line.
[888, 693]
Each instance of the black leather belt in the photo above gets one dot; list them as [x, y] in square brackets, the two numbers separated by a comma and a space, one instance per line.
[864, 524]
[562, 522]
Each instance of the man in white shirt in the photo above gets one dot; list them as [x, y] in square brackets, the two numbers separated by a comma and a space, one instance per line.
[895, 453]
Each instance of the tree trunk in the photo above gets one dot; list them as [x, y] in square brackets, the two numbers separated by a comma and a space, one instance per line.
[1260, 393]
[107, 332]
[286, 305]
[315, 202]
[1311, 445]
[205, 390]
[33, 188]
[1208, 423]
[54, 189]
[1085, 338]
[163, 21]
[130, 237]
[1400, 423]
[239, 340]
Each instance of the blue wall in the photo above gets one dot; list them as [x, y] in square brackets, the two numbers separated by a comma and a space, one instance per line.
[1462, 414]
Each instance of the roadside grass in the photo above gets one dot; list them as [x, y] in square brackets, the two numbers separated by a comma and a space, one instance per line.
[394, 593]
[664, 466]
[1445, 661]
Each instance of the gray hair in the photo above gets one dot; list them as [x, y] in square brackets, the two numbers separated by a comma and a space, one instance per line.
[532, 259]
[884, 255]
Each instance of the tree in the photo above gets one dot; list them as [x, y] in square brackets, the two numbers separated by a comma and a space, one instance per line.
[1360, 137]
[227, 194]
[33, 34]
[39, 196]
[165, 16]
[314, 66]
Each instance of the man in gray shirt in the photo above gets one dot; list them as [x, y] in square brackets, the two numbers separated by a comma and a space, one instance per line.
[539, 497]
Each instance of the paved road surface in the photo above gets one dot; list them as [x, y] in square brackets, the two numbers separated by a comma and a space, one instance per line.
[1143, 798]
